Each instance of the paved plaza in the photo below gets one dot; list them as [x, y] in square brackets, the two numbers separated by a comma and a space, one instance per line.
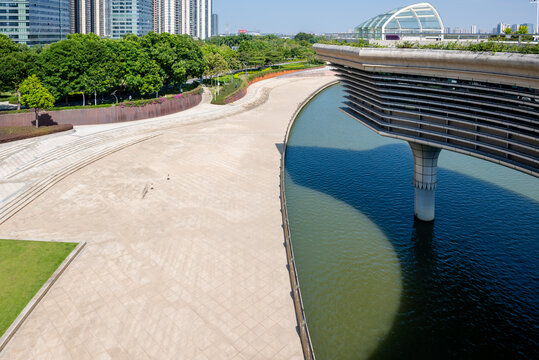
[181, 215]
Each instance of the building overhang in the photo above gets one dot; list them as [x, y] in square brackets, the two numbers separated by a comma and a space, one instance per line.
[503, 68]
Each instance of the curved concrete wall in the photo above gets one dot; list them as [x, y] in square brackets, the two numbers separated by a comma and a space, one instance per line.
[484, 105]
[104, 115]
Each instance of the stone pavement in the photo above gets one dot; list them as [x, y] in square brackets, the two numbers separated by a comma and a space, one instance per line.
[185, 255]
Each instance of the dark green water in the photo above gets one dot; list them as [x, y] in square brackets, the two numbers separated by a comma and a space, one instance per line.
[376, 285]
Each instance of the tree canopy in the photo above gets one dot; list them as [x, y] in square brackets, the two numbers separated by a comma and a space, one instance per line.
[35, 95]
[178, 56]
[18, 62]
[6, 45]
[522, 29]
[87, 65]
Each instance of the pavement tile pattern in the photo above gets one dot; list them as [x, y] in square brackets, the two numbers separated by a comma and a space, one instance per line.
[185, 256]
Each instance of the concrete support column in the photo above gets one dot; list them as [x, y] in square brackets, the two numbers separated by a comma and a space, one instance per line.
[425, 179]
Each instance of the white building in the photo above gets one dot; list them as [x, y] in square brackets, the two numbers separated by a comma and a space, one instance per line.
[91, 16]
[164, 15]
[191, 17]
[500, 28]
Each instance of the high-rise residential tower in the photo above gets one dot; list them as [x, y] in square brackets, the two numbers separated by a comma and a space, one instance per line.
[35, 22]
[191, 17]
[164, 16]
[214, 25]
[91, 16]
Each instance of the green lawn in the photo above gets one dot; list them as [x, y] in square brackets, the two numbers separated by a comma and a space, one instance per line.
[24, 267]
[13, 133]
[231, 84]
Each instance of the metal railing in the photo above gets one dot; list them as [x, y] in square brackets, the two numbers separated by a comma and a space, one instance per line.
[512, 38]
[304, 334]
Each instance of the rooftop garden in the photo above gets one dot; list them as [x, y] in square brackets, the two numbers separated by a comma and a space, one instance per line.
[491, 45]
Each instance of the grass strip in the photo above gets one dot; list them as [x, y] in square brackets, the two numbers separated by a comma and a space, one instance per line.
[24, 267]
[12, 133]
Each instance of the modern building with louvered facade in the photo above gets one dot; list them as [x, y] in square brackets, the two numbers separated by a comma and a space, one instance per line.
[484, 105]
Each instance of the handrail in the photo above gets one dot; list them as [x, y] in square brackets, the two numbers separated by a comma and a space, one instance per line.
[304, 334]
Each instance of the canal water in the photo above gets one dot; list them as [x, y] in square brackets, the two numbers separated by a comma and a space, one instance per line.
[377, 285]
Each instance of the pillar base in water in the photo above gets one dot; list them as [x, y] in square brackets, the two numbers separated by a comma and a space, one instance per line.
[425, 179]
[424, 204]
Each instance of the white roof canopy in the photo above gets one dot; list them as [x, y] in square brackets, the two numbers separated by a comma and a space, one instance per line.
[412, 19]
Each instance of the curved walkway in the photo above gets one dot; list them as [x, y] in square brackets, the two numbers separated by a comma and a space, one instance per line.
[181, 215]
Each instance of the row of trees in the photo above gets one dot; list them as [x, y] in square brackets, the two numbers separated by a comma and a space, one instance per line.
[522, 30]
[86, 65]
[259, 50]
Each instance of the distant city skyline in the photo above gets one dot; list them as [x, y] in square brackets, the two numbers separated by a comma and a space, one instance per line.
[316, 16]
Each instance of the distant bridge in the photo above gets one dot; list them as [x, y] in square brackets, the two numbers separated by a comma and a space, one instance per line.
[484, 105]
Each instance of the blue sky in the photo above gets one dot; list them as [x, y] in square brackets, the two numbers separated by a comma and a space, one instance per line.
[292, 16]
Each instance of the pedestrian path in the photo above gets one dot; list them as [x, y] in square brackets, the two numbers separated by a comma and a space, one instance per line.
[181, 215]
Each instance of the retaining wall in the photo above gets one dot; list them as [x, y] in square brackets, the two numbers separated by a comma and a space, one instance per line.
[103, 115]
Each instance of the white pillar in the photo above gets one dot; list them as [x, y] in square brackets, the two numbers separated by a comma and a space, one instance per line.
[425, 179]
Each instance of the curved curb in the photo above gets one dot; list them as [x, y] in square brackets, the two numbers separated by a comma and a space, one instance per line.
[32, 304]
[304, 334]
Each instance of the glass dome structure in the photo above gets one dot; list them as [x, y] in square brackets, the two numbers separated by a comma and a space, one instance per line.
[412, 21]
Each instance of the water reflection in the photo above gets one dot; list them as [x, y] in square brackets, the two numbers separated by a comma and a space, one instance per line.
[470, 280]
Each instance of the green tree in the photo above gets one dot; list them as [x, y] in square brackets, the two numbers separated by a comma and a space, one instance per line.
[133, 68]
[253, 52]
[95, 81]
[304, 37]
[522, 29]
[229, 40]
[7, 46]
[507, 31]
[35, 95]
[16, 66]
[62, 65]
[67, 65]
[178, 56]
[216, 65]
[229, 55]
